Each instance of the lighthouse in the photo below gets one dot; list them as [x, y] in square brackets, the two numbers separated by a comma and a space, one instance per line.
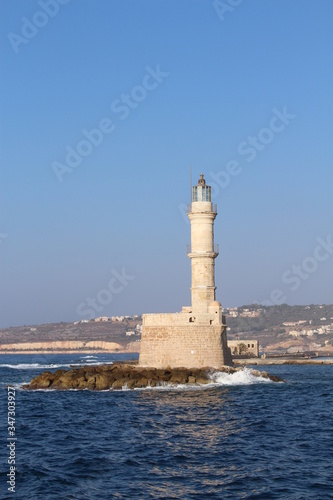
[202, 250]
[196, 336]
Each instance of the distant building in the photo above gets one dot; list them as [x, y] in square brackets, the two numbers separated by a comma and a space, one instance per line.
[306, 333]
[250, 314]
[294, 323]
[244, 347]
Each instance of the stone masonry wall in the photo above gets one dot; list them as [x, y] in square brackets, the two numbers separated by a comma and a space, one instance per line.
[188, 346]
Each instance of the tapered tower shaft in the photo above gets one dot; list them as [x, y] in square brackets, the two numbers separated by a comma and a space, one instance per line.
[202, 251]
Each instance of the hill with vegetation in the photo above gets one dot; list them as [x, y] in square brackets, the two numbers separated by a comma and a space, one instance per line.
[283, 328]
[278, 329]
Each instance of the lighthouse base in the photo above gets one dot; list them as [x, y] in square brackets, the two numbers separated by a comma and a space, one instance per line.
[173, 340]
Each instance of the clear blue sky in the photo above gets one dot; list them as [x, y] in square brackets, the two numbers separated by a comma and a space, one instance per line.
[219, 78]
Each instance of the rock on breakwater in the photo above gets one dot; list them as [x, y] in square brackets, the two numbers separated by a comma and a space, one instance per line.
[128, 376]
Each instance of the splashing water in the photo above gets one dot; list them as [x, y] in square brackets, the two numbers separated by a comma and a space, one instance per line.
[241, 377]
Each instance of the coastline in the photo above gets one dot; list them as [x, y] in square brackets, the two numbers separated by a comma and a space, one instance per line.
[282, 361]
[70, 351]
[237, 362]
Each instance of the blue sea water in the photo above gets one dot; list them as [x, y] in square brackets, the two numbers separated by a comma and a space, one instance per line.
[240, 437]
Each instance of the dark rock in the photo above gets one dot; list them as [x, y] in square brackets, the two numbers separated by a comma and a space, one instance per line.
[164, 375]
[80, 383]
[143, 382]
[274, 378]
[131, 384]
[264, 374]
[42, 381]
[119, 383]
[128, 375]
[201, 376]
[179, 376]
[102, 382]
[58, 373]
[64, 381]
[91, 382]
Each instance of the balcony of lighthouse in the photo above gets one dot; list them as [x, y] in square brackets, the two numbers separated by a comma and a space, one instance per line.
[203, 253]
[201, 207]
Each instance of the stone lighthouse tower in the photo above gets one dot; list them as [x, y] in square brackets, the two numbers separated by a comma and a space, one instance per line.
[202, 250]
[196, 336]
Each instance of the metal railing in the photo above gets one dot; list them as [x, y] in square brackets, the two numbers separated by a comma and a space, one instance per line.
[214, 208]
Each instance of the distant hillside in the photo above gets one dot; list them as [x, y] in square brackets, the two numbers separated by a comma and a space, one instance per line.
[283, 327]
[274, 316]
[121, 330]
[278, 328]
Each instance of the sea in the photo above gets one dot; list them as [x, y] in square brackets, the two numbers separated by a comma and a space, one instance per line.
[240, 437]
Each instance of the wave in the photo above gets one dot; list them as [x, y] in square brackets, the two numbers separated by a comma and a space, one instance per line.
[241, 377]
[218, 379]
[29, 366]
[85, 363]
[15, 385]
[35, 366]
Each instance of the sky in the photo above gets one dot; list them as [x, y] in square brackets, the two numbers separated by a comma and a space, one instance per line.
[106, 105]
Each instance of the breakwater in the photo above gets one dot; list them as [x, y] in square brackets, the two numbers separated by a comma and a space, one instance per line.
[129, 376]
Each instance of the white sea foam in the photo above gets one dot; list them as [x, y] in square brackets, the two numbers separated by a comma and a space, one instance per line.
[241, 377]
[16, 385]
[29, 366]
[35, 366]
[218, 379]
[92, 363]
